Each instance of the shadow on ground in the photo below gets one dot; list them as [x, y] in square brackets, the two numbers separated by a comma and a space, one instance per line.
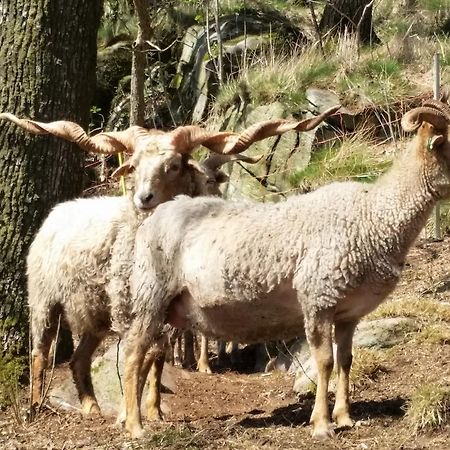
[299, 413]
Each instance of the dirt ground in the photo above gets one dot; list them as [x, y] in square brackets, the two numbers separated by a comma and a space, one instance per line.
[260, 411]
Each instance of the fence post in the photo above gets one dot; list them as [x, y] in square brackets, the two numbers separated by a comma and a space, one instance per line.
[436, 94]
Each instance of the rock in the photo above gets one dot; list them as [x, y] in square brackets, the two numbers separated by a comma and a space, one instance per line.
[375, 334]
[107, 384]
[383, 333]
[196, 77]
[269, 180]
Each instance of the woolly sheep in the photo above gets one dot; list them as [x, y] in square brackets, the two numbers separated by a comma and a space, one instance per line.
[83, 253]
[250, 272]
[68, 261]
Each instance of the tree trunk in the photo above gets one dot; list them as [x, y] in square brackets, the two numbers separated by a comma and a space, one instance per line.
[355, 16]
[47, 72]
[139, 63]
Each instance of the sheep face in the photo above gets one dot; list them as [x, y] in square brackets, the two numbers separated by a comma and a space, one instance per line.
[159, 177]
[435, 149]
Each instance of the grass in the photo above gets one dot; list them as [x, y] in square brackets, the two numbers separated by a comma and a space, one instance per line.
[434, 333]
[353, 160]
[11, 371]
[282, 78]
[367, 366]
[173, 438]
[429, 407]
[423, 309]
[434, 5]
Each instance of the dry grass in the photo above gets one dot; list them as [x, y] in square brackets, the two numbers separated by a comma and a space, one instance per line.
[424, 309]
[429, 407]
[367, 366]
[434, 333]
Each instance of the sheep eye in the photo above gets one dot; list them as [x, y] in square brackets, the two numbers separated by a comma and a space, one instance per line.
[174, 167]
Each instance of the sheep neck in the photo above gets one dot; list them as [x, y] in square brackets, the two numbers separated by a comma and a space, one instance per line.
[403, 198]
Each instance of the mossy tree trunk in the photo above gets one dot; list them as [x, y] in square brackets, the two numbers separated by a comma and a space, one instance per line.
[139, 62]
[47, 72]
[355, 16]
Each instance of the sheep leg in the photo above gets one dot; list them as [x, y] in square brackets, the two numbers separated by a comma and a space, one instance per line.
[153, 364]
[319, 333]
[234, 354]
[189, 354]
[80, 365]
[344, 337]
[221, 353]
[153, 403]
[134, 360]
[203, 360]
[177, 350]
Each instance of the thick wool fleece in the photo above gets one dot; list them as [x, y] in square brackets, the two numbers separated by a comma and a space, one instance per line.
[253, 272]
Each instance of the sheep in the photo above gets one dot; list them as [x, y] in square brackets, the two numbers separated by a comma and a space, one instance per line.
[82, 255]
[89, 230]
[251, 272]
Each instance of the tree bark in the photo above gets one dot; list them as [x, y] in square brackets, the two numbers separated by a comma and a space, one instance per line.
[47, 72]
[355, 16]
[139, 63]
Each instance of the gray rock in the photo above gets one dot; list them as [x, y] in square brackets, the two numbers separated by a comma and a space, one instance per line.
[107, 383]
[269, 180]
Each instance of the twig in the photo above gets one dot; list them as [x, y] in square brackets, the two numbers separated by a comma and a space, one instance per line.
[316, 26]
[47, 388]
[155, 47]
[297, 360]
[117, 365]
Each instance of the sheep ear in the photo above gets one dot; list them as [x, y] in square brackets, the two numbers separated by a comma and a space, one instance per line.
[221, 176]
[435, 141]
[126, 168]
[196, 165]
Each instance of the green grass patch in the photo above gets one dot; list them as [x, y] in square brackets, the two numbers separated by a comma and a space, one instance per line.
[434, 5]
[383, 67]
[353, 160]
[11, 371]
[429, 407]
[280, 78]
[378, 80]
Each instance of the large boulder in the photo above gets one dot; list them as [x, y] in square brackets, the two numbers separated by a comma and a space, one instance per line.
[107, 378]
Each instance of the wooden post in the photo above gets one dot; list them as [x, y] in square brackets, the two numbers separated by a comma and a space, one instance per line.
[436, 94]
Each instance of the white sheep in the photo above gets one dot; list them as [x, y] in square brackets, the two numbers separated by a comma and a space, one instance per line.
[83, 253]
[68, 261]
[250, 272]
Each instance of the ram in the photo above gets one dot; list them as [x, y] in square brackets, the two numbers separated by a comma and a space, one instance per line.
[69, 260]
[82, 255]
[249, 272]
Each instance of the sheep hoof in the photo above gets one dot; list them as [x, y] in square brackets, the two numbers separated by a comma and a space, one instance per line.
[91, 408]
[136, 431]
[323, 432]
[343, 421]
[204, 368]
[155, 414]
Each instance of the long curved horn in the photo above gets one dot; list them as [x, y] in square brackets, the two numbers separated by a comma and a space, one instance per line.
[414, 118]
[106, 143]
[215, 161]
[274, 127]
[185, 139]
[440, 105]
